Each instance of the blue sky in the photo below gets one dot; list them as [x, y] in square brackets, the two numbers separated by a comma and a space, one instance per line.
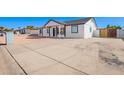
[15, 22]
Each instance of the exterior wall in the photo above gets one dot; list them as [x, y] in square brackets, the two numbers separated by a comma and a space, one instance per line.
[75, 35]
[87, 26]
[51, 32]
[96, 33]
[28, 31]
[120, 33]
[52, 23]
[45, 32]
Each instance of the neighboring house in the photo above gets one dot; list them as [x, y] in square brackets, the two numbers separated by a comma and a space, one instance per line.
[32, 31]
[29, 31]
[82, 28]
[20, 31]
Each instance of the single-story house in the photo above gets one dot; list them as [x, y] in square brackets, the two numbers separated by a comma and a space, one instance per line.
[32, 31]
[82, 28]
[29, 31]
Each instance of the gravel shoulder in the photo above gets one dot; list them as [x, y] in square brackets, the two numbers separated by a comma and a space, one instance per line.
[8, 66]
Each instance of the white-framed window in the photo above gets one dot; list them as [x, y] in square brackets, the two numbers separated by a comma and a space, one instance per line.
[74, 29]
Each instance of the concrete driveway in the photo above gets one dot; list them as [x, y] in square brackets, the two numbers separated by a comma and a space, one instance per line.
[69, 56]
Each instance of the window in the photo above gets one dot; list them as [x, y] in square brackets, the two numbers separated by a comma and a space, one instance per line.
[90, 29]
[74, 29]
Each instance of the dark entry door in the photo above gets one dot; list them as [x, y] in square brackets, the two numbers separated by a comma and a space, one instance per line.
[54, 32]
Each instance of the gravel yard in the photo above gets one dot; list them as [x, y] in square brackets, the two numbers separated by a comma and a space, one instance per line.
[65, 56]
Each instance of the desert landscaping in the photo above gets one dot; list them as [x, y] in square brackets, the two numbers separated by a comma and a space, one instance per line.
[30, 55]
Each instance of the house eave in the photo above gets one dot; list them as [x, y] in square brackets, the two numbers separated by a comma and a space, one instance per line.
[54, 21]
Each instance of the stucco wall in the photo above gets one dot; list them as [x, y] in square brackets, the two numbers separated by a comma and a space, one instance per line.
[87, 33]
[51, 32]
[28, 31]
[45, 32]
[96, 33]
[120, 33]
[52, 23]
[75, 35]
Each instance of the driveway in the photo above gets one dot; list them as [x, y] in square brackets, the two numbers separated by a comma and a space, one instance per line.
[69, 56]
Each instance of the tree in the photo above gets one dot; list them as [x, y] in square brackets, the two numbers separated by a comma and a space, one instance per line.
[29, 27]
[108, 26]
[12, 28]
[2, 28]
[118, 27]
[7, 30]
[113, 27]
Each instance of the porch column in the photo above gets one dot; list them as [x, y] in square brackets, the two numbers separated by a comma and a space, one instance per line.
[42, 31]
[49, 31]
[59, 35]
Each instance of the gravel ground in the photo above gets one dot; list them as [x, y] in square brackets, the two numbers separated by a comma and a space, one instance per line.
[95, 56]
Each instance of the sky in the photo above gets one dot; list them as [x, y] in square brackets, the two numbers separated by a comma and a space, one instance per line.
[15, 22]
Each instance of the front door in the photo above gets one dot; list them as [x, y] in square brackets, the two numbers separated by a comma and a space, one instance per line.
[54, 32]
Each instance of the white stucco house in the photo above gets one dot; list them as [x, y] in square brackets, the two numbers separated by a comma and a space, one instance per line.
[82, 28]
[28, 31]
[32, 31]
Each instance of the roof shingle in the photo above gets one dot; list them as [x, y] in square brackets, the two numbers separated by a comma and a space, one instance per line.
[80, 21]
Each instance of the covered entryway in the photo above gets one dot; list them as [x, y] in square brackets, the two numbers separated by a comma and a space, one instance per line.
[54, 32]
[54, 29]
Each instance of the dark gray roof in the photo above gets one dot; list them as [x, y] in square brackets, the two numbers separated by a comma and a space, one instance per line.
[73, 22]
[79, 21]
